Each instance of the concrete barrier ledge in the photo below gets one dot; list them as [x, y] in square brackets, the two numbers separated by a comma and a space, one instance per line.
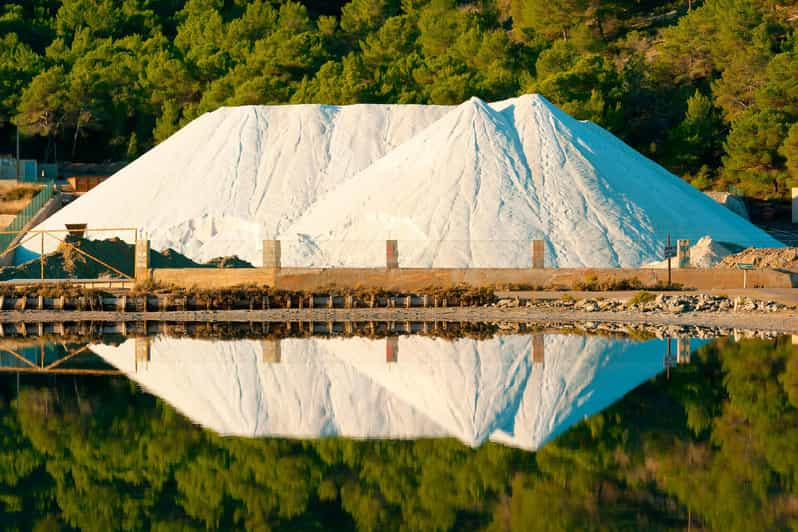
[408, 279]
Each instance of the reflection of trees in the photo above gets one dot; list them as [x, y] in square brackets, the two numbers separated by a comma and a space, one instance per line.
[715, 445]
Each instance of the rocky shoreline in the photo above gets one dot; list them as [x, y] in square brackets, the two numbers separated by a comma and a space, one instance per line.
[777, 322]
[646, 302]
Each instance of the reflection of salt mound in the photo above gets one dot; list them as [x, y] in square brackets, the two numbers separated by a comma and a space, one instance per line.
[469, 185]
[472, 390]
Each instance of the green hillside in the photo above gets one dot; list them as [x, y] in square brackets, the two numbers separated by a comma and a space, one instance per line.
[708, 89]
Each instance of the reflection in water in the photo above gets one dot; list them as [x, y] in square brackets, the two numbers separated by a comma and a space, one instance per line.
[713, 447]
[520, 391]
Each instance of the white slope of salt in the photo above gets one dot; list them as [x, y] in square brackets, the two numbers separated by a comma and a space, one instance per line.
[487, 179]
[236, 176]
[469, 185]
[458, 181]
[468, 389]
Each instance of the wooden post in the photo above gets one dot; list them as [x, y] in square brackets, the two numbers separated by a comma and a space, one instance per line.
[391, 254]
[538, 254]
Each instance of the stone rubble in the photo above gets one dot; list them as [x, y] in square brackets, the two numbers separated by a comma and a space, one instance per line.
[638, 330]
[647, 303]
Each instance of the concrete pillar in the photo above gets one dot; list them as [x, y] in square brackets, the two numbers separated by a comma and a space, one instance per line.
[538, 348]
[142, 349]
[670, 360]
[683, 350]
[795, 205]
[392, 349]
[272, 353]
[538, 254]
[272, 254]
[142, 261]
[391, 254]
[682, 253]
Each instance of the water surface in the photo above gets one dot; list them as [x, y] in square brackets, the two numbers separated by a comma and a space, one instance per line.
[512, 432]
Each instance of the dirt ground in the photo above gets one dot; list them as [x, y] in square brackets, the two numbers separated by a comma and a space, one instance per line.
[14, 197]
[773, 258]
[6, 219]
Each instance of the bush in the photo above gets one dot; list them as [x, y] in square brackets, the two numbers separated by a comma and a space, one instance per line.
[592, 284]
[642, 298]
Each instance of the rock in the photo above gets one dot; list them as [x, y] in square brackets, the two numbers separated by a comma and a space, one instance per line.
[590, 306]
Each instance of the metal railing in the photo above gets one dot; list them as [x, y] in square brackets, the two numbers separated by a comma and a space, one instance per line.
[26, 215]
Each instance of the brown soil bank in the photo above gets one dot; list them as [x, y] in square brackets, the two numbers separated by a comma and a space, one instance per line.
[772, 258]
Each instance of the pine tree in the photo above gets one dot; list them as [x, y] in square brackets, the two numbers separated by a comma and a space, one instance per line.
[789, 150]
[550, 18]
[752, 158]
[695, 141]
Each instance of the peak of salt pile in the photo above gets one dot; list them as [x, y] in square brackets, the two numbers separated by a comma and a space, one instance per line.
[466, 185]
[473, 390]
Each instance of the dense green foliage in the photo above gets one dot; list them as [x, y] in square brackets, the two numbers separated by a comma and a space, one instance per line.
[709, 89]
[714, 446]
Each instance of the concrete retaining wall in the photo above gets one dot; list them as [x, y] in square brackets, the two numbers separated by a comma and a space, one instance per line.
[408, 279]
[210, 278]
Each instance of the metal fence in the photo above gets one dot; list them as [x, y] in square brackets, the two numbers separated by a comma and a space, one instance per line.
[27, 170]
[26, 215]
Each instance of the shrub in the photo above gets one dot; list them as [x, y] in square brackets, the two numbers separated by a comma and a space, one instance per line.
[642, 298]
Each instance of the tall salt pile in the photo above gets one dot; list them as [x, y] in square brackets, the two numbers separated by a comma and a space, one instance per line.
[459, 186]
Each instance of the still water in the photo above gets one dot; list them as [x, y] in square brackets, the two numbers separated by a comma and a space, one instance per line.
[512, 432]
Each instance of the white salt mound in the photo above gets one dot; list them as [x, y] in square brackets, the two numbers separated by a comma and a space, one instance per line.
[466, 185]
[476, 391]
[705, 253]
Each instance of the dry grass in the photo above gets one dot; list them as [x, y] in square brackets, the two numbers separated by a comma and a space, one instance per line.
[462, 296]
[593, 284]
[14, 197]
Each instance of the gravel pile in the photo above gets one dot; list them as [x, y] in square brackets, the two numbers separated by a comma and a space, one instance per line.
[773, 258]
